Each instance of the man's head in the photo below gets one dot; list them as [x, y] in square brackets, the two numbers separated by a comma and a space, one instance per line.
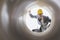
[40, 12]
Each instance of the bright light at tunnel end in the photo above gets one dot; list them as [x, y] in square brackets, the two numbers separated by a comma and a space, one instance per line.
[32, 22]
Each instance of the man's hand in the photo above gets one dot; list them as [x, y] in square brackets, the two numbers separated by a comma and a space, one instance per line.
[29, 11]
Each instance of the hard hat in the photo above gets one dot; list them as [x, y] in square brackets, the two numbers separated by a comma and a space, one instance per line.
[40, 12]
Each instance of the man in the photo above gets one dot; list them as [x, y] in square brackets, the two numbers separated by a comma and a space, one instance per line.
[42, 20]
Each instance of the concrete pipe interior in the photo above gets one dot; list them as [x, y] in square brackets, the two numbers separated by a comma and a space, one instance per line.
[15, 20]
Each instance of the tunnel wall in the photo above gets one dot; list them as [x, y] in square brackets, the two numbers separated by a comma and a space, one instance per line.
[17, 30]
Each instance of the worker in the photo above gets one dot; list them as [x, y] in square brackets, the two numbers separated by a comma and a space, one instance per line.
[42, 20]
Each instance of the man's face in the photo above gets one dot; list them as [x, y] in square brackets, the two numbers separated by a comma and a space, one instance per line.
[40, 15]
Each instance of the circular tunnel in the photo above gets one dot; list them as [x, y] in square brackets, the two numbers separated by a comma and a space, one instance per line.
[14, 20]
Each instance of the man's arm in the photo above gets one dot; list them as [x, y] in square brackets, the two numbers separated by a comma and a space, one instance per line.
[32, 15]
[49, 19]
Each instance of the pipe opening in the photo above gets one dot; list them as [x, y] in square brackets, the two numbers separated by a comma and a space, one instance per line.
[32, 23]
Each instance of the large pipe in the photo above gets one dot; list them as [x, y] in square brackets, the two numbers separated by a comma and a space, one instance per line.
[14, 28]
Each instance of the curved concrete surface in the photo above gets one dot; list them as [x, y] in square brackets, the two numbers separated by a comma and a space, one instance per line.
[12, 24]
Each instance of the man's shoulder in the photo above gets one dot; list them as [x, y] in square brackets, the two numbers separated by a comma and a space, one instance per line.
[46, 17]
